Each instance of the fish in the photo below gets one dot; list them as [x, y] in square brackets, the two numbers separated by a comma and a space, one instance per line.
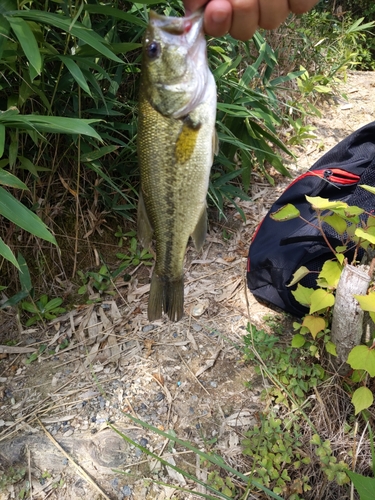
[176, 143]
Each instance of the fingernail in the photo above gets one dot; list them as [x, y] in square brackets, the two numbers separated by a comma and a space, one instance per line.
[219, 17]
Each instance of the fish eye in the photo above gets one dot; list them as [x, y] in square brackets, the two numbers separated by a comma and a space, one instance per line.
[153, 50]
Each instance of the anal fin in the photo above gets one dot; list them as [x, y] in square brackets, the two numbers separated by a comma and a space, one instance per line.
[200, 231]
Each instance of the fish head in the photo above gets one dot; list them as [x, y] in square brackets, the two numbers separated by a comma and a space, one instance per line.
[174, 63]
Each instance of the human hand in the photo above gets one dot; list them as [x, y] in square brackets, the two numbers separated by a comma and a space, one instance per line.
[241, 18]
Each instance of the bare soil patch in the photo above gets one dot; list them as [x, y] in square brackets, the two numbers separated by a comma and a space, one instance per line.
[187, 377]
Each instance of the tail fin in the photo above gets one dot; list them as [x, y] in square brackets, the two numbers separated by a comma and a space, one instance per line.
[166, 295]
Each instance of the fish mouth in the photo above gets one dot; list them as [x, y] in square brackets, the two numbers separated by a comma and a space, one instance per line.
[190, 26]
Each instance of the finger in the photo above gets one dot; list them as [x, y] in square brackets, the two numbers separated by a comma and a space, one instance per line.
[193, 5]
[245, 19]
[273, 13]
[218, 17]
[301, 6]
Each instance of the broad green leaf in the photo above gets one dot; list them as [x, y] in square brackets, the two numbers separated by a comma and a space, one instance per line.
[336, 222]
[362, 357]
[53, 303]
[315, 324]
[298, 340]
[367, 302]
[78, 30]
[331, 272]
[331, 348]
[371, 189]
[363, 484]
[362, 398]
[323, 204]
[365, 235]
[299, 274]
[27, 41]
[2, 139]
[29, 307]
[7, 253]
[287, 212]
[321, 299]
[76, 73]
[8, 179]
[303, 294]
[12, 209]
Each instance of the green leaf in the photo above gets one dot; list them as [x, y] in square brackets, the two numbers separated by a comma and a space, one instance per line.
[331, 348]
[117, 14]
[27, 41]
[95, 155]
[79, 30]
[12, 209]
[331, 272]
[365, 235]
[303, 294]
[7, 253]
[53, 304]
[29, 307]
[24, 274]
[362, 398]
[76, 73]
[2, 139]
[8, 179]
[371, 189]
[321, 299]
[364, 485]
[287, 212]
[299, 274]
[323, 204]
[315, 324]
[298, 340]
[52, 124]
[362, 358]
[367, 302]
[336, 222]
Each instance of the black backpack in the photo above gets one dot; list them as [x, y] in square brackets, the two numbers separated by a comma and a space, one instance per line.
[278, 249]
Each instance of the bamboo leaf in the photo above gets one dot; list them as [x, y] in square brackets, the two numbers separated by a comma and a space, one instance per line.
[116, 13]
[52, 124]
[7, 253]
[76, 73]
[78, 30]
[8, 179]
[2, 139]
[13, 210]
[363, 484]
[27, 41]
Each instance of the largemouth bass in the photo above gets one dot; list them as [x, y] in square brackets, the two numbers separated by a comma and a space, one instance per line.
[176, 144]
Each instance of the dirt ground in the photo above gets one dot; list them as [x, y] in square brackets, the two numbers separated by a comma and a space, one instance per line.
[187, 377]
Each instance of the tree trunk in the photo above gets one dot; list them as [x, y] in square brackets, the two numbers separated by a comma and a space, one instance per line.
[347, 319]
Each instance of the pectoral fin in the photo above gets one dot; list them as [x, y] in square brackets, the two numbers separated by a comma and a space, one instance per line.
[200, 231]
[144, 228]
